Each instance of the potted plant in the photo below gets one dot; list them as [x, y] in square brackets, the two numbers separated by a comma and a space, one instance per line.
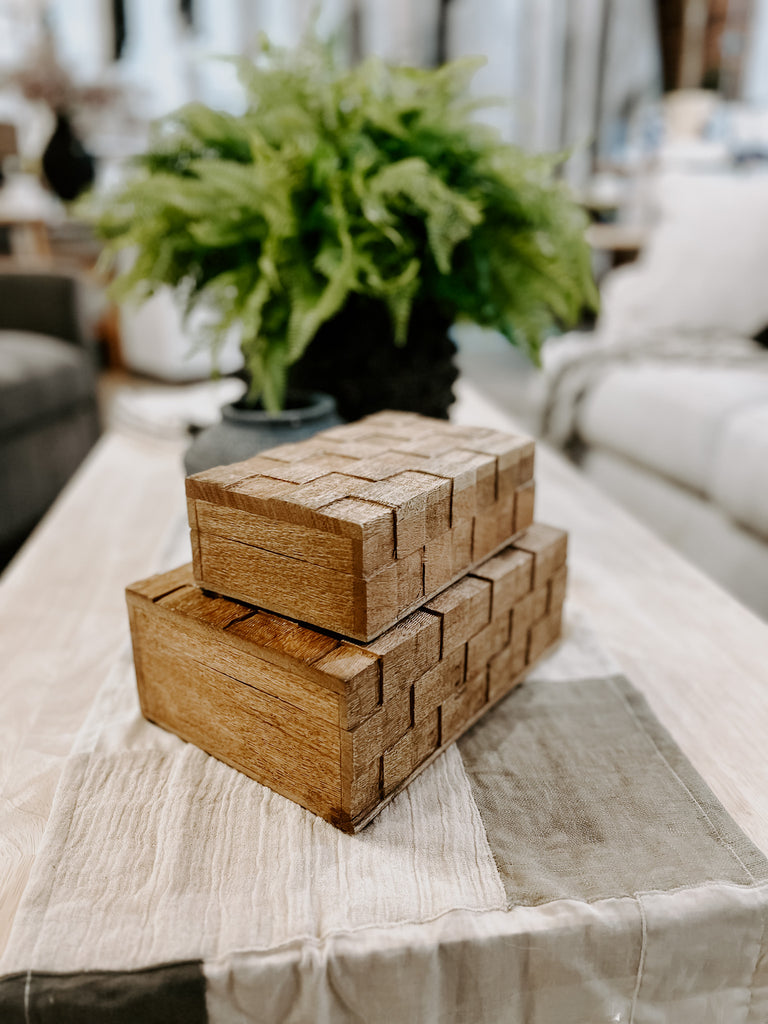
[345, 220]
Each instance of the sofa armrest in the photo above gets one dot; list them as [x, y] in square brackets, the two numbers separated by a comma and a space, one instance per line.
[44, 303]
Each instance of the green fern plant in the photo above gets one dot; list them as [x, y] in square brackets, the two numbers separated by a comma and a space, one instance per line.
[374, 181]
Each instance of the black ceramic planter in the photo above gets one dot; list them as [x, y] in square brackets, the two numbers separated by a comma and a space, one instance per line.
[246, 432]
[354, 358]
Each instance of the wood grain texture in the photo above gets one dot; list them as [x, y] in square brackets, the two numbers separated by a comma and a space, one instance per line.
[524, 504]
[338, 726]
[465, 609]
[511, 573]
[487, 643]
[493, 525]
[241, 726]
[285, 586]
[548, 547]
[407, 650]
[394, 489]
[319, 547]
[436, 685]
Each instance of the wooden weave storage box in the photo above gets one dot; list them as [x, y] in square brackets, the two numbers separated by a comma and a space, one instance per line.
[341, 727]
[359, 525]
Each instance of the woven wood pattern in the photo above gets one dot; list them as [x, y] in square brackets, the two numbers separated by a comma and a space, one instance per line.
[362, 523]
[337, 726]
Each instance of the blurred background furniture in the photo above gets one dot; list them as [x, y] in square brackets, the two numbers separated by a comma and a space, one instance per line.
[27, 215]
[157, 340]
[665, 405]
[48, 410]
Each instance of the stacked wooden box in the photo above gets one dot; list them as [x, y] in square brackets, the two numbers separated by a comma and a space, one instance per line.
[409, 545]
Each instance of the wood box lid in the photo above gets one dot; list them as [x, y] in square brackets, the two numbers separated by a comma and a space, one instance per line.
[365, 521]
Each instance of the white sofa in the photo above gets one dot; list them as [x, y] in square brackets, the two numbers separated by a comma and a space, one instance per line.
[666, 404]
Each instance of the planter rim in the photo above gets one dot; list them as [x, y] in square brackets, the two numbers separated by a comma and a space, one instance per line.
[316, 404]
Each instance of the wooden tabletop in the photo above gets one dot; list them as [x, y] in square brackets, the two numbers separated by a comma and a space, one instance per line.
[62, 619]
[700, 657]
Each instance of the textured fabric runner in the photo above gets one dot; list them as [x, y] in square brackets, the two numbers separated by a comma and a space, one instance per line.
[584, 795]
[563, 862]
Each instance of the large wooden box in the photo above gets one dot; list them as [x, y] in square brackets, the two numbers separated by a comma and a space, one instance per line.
[341, 727]
[359, 525]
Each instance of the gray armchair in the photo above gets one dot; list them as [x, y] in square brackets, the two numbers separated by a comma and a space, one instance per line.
[48, 409]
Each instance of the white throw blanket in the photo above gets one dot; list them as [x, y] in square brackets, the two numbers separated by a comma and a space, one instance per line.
[574, 366]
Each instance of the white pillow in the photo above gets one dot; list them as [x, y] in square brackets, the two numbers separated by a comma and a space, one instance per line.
[705, 267]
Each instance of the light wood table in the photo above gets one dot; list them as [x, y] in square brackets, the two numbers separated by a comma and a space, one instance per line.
[27, 209]
[29, 237]
[699, 657]
[623, 242]
[62, 618]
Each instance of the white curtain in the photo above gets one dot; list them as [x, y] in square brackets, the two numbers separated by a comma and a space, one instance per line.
[155, 57]
[755, 80]
[83, 31]
[399, 30]
[569, 73]
[572, 71]
[496, 34]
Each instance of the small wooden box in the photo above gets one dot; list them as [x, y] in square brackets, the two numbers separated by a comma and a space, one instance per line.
[340, 727]
[359, 525]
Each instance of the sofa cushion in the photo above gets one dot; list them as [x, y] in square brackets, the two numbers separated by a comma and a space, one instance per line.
[39, 378]
[739, 481]
[52, 304]
[670, 418]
